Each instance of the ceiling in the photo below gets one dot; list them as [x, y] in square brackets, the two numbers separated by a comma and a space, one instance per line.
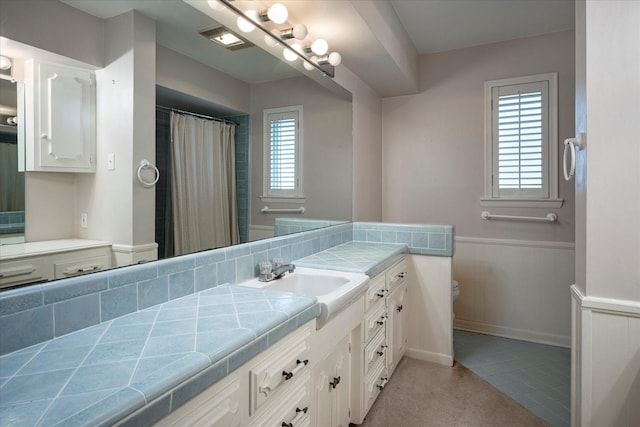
[420, 26]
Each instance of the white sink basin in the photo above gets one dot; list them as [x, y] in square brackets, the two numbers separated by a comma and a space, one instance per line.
[334, 290]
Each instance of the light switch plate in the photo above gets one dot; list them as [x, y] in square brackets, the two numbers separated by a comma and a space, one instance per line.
[111, 161]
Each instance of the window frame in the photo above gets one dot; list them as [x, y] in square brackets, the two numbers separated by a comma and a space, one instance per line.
[279, 195]
[546, 197]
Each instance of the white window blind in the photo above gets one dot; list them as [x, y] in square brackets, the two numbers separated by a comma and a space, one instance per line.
[521, 140]
[283, 152]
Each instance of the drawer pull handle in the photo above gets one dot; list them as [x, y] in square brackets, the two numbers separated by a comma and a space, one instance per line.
[402, 275]
[335, 382]
[299, 366]
[17, 271]
[381, 322]
[300, 413]
[399, 308]
[380, 294]
[382, 383]
[380, 352]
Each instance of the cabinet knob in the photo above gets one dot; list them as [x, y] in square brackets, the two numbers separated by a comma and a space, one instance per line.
[399, 308]
[335, 382]
[44, 136]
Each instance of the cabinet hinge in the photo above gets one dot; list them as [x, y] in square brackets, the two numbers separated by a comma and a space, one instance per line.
[349, 411]
[349, 347]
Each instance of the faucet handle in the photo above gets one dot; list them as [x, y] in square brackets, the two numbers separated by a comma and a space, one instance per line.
[278, 261]
[265, 267]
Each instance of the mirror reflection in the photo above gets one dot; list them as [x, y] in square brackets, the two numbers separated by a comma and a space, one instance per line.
[11, 178]
[139, 223]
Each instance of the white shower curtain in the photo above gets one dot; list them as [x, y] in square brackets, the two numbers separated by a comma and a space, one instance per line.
[203, 183]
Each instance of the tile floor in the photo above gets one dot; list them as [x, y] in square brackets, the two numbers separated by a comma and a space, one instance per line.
[535, 375]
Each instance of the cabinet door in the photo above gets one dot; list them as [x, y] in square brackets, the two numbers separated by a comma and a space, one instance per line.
[60, 118]
[332, 387]
[396, 326]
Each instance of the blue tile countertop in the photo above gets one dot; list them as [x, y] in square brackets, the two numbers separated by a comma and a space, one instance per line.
[358, 257]
[160, 357]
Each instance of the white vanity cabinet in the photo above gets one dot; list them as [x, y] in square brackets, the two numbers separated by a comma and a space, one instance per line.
[33, 262]
[380, 341]
[396, 335]
[272, 389]
[60, 130]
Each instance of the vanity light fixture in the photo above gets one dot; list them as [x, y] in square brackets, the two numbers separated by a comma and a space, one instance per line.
[5, 63]
[278, 14]
[226, 38]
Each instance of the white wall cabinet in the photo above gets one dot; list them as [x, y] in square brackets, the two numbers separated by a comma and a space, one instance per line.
[60, 128]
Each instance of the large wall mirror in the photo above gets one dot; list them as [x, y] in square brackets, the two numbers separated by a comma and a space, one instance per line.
[189, 70]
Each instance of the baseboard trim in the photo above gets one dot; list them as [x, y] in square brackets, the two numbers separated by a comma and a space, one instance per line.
[428, 356]
[519, 334]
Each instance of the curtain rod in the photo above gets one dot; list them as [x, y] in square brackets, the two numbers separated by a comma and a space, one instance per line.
[202, 116]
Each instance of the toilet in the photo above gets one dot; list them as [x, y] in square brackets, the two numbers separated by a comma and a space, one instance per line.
[455, 293]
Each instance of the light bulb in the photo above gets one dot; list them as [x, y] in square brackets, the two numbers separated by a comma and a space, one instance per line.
[289, 54]
[278, 13]
[270, 41]
[319, 47]
[299, 31]
[244, 24]
[307, 66]
[335, 59]
[5, 63]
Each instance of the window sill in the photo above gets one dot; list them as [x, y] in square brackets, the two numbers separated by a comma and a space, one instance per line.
[271, 199]
[522, 203]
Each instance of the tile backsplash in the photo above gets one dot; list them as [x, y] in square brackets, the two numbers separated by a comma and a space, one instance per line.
[38, 313]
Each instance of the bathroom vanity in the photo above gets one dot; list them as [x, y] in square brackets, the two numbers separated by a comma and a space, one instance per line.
[233, 354]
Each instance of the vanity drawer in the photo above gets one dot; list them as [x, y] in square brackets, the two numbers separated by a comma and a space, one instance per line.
[80, 266]
[396, 275]
[375, 350]
[292, 408]
[24, 271]
[279, 366]
[374, 382]
[376, 291]
[375, 320]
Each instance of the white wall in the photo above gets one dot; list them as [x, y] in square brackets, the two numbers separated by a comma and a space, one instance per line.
[367, 147]
[606, 299]
[433, 171]
[327, 148]
[183, 74]
[119, 208]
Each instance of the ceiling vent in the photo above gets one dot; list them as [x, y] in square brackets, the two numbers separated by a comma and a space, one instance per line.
[226, 38]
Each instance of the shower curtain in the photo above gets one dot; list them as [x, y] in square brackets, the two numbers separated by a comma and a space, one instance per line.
[203, 183]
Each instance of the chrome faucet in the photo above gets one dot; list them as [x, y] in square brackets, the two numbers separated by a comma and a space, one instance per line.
[269, 271]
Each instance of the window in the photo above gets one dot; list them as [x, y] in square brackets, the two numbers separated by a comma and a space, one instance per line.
[283, 153]
[521, 142]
